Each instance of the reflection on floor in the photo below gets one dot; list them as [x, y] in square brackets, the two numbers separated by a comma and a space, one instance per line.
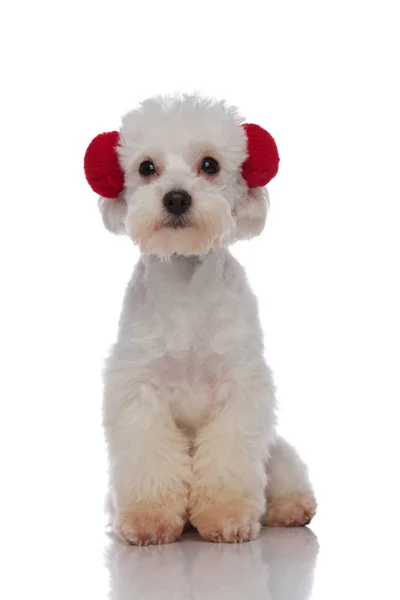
[278, 566]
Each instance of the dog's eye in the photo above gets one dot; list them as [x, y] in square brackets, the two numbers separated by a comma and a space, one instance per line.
[147, 168]
[210, 165]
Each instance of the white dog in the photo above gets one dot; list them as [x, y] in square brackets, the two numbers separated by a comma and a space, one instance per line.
[189, 405]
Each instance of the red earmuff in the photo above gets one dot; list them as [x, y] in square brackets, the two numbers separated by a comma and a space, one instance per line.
[105, 176]
[102, 169]
[262, 162]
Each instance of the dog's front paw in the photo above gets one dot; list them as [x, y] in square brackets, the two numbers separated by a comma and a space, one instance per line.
[235, 520]
[148, 522]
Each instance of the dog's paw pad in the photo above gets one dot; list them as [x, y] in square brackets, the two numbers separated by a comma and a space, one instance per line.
[292, 511]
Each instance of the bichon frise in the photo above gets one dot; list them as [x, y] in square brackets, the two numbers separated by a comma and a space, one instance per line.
[189, 403]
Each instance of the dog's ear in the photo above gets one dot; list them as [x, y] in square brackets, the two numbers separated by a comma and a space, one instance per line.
[258, 169]
[251, 213]
[106, 178]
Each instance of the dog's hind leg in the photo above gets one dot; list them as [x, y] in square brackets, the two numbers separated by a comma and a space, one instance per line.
[290, 497]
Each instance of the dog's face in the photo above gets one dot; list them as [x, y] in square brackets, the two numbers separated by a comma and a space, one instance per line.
[184, 192]
[181, 162]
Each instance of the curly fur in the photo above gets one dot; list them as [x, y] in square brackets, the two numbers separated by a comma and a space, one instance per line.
[189, 403]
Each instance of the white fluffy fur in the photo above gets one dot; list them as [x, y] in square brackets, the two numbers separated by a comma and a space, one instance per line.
[189, 405]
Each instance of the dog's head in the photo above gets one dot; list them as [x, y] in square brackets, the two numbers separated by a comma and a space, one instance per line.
[183, 175]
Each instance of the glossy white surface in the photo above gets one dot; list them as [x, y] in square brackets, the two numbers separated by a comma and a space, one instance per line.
[283, 564]
[279, 565]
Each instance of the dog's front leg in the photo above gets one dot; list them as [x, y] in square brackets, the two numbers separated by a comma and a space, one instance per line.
[227, 498]
[150, 466]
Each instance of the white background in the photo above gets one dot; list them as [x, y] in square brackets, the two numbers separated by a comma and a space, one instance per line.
[323, 78]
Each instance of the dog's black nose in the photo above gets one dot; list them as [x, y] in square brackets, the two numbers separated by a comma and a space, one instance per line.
[177, 201]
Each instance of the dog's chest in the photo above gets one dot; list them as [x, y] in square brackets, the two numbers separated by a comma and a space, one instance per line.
[191, 372]
[196, 306]
[189, 326]
[191, 383]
